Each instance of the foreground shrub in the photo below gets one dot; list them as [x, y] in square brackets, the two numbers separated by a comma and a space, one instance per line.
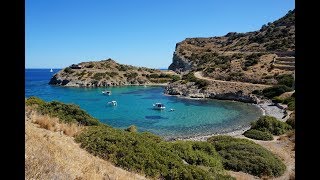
[246, 156]
[271, 125]
[35, 100]
[150, 155]
[259, 135]
[67, 113]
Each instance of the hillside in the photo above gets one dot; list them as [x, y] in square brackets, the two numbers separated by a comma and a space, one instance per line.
[245, 57]
[257, 60]
[109, 73]
[51, 153]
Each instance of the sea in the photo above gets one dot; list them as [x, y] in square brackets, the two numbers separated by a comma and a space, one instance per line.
[182, 118]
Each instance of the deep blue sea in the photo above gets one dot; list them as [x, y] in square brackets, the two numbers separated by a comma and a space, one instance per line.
[190, 118]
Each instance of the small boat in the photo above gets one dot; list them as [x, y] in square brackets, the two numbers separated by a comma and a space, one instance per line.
[113, 103]
[51, 70]
[159, 106]
[171, 109]
[106, 92]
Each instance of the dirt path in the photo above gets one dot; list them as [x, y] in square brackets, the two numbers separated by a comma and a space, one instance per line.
[198, 74]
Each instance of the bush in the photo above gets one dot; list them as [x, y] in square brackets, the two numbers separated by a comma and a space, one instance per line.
[246, 156]
[259, 135]
[198, 82]
[68, 70]
[189, 77]
[175, 78]
[252, 59]
[67, 113]
[285, 79]
[271, 125]
[201, 83]
[148, 154]
[35, 100]
[98, 76]
[275, 91]
[291, 105]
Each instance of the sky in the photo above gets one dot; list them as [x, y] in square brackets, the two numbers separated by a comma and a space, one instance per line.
[59, 33]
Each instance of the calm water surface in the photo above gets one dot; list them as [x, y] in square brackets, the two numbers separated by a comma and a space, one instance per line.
[190, 118]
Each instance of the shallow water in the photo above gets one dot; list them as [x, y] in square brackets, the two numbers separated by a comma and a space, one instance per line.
[189, 118]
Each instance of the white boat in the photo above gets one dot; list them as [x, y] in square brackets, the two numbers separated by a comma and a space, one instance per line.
[51, 70]
[113, 103]
[159, 106]
[106, 92]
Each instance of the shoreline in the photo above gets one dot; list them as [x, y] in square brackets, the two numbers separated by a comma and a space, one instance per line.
[265, 107]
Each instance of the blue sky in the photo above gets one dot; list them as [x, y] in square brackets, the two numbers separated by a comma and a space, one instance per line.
[136, 32]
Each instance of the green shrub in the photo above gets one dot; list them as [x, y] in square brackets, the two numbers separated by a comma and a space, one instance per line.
[35, 100]
[150, 155]
[67, 113]
[276, 90]
[68, 70]
[131, 75]
[132, 128]
[271, 125]
[277, 99]
[198, 82]
[175, 78]
[201, 83]
[98, 76]
[285, 79]
[252, 59]
[259, 135]
[291, 105]
[246, 156]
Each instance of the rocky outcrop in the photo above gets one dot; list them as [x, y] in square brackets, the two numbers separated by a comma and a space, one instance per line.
[189, 90]
[179, 63]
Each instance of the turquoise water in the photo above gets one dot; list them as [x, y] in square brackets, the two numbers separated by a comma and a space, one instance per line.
[190, 118]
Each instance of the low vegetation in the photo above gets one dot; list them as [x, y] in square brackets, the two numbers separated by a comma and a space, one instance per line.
[259, 135]
[285, 79]
[271, 125]
[291, 120]
[247, 156]
[273, 91]
[198, 82]
[150, 155]
[290, 101]
[67, 113]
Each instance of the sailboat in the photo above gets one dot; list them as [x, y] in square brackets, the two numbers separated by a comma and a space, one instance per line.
[51, 70]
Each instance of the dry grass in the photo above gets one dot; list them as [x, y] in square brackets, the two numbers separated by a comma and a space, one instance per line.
[53, 124]
[51, 154]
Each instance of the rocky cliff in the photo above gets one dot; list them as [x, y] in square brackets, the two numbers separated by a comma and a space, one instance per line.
[254, 60]
[109, 73]
[243, 57]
